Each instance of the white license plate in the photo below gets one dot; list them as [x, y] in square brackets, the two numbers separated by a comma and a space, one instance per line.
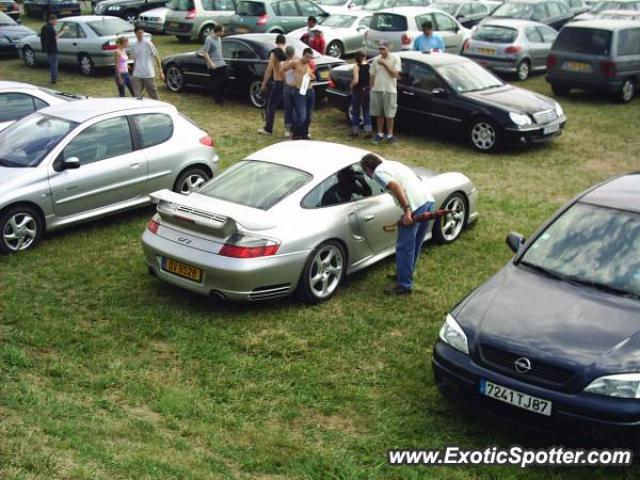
[515, 398]
[551, 128]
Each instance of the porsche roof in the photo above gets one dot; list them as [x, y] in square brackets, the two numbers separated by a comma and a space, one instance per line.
[83, 110]
[320, 159]
[621, 192]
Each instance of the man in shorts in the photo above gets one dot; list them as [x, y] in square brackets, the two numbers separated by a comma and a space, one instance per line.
[385, 70]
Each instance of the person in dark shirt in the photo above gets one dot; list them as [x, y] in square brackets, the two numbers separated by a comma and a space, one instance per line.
[49, 42]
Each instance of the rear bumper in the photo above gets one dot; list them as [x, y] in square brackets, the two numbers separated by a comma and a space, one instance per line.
[611, 86]
[575, 417]
[179, 29]
[64, 12]
[516, 137]
[339, 99]
[230, 278]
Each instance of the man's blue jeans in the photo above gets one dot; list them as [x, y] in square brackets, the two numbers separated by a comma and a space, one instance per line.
[408, 247]
[302, 113]
[288, 93]
[273, 103]
[52, 58]
[360, 103]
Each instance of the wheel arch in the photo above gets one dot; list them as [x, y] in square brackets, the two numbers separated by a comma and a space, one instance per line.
[33, 205]
[202, 165]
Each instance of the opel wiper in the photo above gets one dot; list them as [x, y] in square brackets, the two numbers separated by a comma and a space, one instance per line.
[544, 271]
[604, 287]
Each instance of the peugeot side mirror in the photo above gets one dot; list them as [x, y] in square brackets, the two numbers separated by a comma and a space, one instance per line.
[70, 163]
[515, 241]
[439, 92]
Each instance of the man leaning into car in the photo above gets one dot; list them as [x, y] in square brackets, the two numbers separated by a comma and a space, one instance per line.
[414, 199]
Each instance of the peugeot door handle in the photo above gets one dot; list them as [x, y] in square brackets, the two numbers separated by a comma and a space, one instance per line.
[134, 164]
[368, 218]
[74, 44]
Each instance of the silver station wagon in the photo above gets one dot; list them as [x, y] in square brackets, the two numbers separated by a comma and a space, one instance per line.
[82, 160]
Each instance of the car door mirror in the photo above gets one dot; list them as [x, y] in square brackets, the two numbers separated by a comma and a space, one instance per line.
[71, 163]
[515, 241]
[439, 92]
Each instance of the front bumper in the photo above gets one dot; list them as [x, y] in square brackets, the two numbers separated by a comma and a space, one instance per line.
[228, 278]
[152, 26]
[579, 418]
[533, 134]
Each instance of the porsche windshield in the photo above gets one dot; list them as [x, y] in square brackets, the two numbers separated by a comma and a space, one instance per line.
[591, 245]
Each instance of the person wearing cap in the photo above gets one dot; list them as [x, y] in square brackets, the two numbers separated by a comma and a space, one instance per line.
[384, 72]
[428, 42]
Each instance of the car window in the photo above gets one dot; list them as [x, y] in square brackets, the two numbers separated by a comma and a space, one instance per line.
[389, 22]
[251, 9]
[105, 27]
[255, 184]
[576, 3]
[420, 19]
[286, 8]
[16, 105]
[106, 139]
[533, 35]
[218, 5]
[495, 34]
[479, 8]
[348, 185]
[465, 10]
[308, 8]
[181, 5]
[235, 50]
[629, 42]
[419, 75]
[554, 9]
[548, 34]
[73, 30]
[513, 10]
[445, 23]
[364, 22]
[539, 12]
[153, 128]
[591, 41]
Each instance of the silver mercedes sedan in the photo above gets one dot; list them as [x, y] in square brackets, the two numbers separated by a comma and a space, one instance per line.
[293, 217]
[89, 42]
[86, 159]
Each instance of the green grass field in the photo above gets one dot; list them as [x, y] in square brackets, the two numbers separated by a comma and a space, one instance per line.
[107, 373]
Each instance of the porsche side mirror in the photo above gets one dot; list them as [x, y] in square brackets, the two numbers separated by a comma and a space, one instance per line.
[515, 241]
[439, 92]
[70, 163]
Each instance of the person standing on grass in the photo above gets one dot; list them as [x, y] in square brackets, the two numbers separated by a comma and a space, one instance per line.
[428, 42]
[385, 70]
[312, 23]
[216, 65]
[303, 75]
[317, 42]
[145, 61]
[274, 73]
[289, 91]
[121, 62]
[49, 42]
[360, 86]
[413, 197]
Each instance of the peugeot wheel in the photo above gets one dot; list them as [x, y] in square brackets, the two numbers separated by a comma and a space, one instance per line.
[22, 227]
[335, 49]
[204, 33]
[626, 91]
[85, 64]
[191, 179]
[323, 273]
[448, 228]
[29, 56]
[174, 78]
[484, 135]
[523, 69]
[256, 96]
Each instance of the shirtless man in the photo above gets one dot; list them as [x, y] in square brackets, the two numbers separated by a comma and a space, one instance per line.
[304, 96]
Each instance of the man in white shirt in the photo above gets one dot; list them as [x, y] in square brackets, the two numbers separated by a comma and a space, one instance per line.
[145, 59]
[413, 197]
[385, 70]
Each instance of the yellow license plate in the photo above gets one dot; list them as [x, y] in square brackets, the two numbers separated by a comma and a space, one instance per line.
[579, 66]
[242, 30]
[182, 269]
[487, 51]
[324, 74]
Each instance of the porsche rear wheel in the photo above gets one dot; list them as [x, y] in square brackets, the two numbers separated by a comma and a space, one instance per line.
[323, 273]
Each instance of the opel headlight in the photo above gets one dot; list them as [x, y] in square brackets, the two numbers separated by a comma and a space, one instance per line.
[452, 334]
[625, 385]
[559, 110]
[520, 119]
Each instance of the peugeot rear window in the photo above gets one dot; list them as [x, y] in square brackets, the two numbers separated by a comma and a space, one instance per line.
[251, 9]
[181, 5]
[389, 22]
[495, 34]
[256, 184]
[591, 41]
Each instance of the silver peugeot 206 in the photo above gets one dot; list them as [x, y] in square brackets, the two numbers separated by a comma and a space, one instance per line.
[293, 217]
[78, 161]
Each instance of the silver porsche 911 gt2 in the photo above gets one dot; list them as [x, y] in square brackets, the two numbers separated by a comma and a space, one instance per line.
[292, 217]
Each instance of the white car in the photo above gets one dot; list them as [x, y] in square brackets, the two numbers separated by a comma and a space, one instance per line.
[19, 99]
[343, 32]
[153, 20]
[340, 6]
[401, 25]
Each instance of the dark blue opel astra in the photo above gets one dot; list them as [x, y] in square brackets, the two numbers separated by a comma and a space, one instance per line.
[551, 343]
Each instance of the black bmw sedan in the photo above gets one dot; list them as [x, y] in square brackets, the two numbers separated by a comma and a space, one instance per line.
[450, 93]
[551, 343]
[247, 57]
